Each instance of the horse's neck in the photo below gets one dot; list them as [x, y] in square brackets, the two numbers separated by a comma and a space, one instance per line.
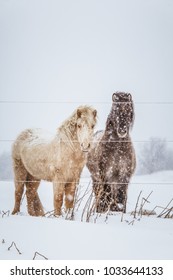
[114, 138]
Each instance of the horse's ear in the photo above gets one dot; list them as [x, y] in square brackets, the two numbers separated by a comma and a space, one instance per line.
[114, 97]
[129, 97]
[94, 113]
[79, 113]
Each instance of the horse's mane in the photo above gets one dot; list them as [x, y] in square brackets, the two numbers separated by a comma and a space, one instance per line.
[133, 117]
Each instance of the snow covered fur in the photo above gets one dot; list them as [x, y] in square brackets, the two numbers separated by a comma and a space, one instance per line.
[59, 159]
[111, 160]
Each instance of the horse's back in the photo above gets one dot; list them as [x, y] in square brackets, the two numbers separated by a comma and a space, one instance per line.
[29, 139]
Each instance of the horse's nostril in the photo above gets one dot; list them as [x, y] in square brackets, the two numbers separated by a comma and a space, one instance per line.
[122, 129]
[85, 147]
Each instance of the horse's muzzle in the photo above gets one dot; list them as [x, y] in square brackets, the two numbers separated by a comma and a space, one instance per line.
[85, 148]
[122, 132]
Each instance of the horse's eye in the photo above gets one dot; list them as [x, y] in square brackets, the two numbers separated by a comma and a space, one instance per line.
[79, 126]
[92, 126]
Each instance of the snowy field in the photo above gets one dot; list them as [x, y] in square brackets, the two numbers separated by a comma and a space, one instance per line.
[86, 235]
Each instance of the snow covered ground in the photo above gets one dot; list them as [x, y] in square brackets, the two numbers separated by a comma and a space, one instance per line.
[92, 236]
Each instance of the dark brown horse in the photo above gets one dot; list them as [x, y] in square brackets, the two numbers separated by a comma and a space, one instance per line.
[111, 160]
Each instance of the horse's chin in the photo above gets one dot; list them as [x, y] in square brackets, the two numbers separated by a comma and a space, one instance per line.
[85, 151]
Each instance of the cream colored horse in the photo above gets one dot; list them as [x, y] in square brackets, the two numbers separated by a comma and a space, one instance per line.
[59, 159]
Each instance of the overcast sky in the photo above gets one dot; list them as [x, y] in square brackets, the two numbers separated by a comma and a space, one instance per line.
[80, 52]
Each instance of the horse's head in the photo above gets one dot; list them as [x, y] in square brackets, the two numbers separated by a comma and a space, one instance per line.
[85, 123]
[122, 115]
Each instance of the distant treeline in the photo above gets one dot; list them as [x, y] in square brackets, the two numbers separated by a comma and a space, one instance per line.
[153, 156]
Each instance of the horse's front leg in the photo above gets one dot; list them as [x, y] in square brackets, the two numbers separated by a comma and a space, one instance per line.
[70, 189]
[58, 189]
[122, 196]
[119, 192]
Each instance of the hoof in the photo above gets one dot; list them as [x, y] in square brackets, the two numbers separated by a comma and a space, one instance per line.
[57, 213]
[117, 207]
[15, 212]
[102, 208]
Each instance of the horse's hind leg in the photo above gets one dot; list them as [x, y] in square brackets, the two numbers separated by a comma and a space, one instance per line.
[102, 197]
[20, 175]
[19, 188]
[34, 205]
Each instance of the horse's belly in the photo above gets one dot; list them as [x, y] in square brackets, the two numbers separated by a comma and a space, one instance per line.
[38, 171]
[36, 165]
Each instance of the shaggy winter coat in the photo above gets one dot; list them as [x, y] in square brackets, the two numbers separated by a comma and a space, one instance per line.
[111, 159]
[58, 159]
